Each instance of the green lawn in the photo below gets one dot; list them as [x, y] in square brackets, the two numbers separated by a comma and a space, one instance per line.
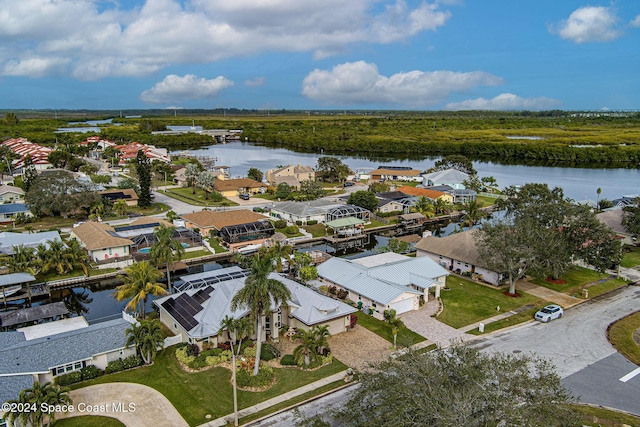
[631, 258]
[199, 198]
[215, 244]
[485, 201]
[375, 223]
[88, 421]
[522, 316]
[579, 277]
[196, 254]
[591, 416]
[621, 336]
[316, 230]
[405, 337]
[467, 302]
[575, 279]
[195, 395]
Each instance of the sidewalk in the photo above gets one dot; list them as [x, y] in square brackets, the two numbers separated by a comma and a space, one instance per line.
[223, 421]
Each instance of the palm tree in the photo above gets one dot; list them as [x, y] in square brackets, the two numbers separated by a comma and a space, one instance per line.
[599, 191]
[140, 282]
[259, 293]
[77, 256]
[278, 251]
[239, 328]
[120, 207]
[166, 249]
[396, 324]
[24, 259]
[472, 212]
[442, 206]
[54, 258]
[424, 206]
[34, 400]
[147, 337]
[322, 335]
[28, 229]
[307, 349]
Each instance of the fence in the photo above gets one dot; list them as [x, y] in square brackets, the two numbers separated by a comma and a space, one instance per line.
[169, 341]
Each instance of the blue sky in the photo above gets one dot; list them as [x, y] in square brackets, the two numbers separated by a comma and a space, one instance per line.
[328, 54]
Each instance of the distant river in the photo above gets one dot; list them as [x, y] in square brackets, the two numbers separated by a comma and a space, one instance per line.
[578, 183]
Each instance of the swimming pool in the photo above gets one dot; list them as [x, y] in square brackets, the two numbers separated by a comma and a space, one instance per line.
[147, 250]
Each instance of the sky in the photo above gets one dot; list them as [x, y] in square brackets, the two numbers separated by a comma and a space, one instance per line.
[326, 54]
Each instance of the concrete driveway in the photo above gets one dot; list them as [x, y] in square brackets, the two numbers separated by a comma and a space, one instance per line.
[134, 405]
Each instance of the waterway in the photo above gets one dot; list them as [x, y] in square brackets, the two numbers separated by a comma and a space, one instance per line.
[578, 183]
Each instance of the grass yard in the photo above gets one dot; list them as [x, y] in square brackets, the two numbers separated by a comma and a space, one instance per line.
[575, 279]
[405, 337]
[215, 244]
[522, 316]
[196, 254]
[197, 394]
[485, 201]
[579, 278]
[199, 199]
[631, 258]
[316, 230]
[591, 416]
[621, 336]
[88, 421]
[374, 223]
[467, 302]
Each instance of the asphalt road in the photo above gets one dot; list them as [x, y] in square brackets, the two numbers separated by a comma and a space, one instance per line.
[577, 344]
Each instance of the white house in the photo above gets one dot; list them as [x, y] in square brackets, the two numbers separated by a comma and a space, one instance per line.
[384, 281]
[104, 245]
[458, 253]
[10, 194]
[451, 177]
[197, 312]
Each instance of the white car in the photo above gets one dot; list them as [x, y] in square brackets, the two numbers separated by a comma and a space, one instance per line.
[549, 313]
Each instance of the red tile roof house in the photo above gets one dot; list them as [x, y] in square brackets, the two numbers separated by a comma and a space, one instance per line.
[130, 151]
[23, 147]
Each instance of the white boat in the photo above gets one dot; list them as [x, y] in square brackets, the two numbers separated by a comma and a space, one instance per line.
[10, 290]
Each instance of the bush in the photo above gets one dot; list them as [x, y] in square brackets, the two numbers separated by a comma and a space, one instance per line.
[212, 352]
[221, 358]
[298, 223]
[192, 350]
[268, 352]
[89, 372]
[224, 346]
[132, 361]
[182, 356]
[292, 229]
[342, 293]
[114, 366]
[249, 352]
[281, 223]
[312, 222]
[288, 360]
[68, 379]
[245, 378]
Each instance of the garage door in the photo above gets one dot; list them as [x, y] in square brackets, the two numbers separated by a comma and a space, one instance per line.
[402, 306]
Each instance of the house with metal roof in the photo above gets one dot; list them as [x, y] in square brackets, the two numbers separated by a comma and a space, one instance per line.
[458, 253]
[197, 312]
[384, 281]
[9, 240]
[320, 210]
[451, 177]
[41, 356]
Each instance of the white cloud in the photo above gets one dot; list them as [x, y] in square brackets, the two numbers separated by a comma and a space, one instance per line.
[255, 82]
[361, 83]
[590, 24]
[175, 89]
[505, 101]
[34, 66]
[105, 39]
[636, 22]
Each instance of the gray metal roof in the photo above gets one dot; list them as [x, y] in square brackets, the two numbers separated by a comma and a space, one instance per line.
[15, 279]
[385, 282]
[31, 314]
[302, 209]
[446, 176]
[41, 354]
[8, 240]
[306, 305]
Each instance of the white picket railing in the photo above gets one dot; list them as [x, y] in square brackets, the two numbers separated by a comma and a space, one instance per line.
[169, 341]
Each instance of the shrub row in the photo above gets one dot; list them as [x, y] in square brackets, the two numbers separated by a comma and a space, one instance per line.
[86, 373]
[123, 364]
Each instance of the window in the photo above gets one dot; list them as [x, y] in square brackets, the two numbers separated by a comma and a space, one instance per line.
[279, 319]
[110, 253]
[267, 321]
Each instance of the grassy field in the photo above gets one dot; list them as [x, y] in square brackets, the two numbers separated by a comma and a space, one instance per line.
[316, 230]
[467, 302]
[215, 244]
[632, 258]
[578, 278]
[198, 199]
[521, 316]
[197, 394]
[591, 416]
[88, 421]
[405, 337]
[621, 336]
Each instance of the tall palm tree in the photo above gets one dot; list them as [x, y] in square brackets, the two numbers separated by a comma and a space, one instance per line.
[147, 337]
[166, 249]
[472, 213]
[424, 206]
[239, 328]
[55, 259]
[77, 256]
[140, 282]
[258, 293]
[306, 351]
[322, 335]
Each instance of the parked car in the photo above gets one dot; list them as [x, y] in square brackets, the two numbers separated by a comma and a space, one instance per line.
[548, 313]
[244, 196]
[349, 184]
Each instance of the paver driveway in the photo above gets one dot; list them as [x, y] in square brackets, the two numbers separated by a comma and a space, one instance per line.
[421, 322]
[359, 347]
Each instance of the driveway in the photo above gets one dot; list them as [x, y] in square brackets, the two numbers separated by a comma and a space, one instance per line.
[421, 322]
[359, 348]
[134, 405]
